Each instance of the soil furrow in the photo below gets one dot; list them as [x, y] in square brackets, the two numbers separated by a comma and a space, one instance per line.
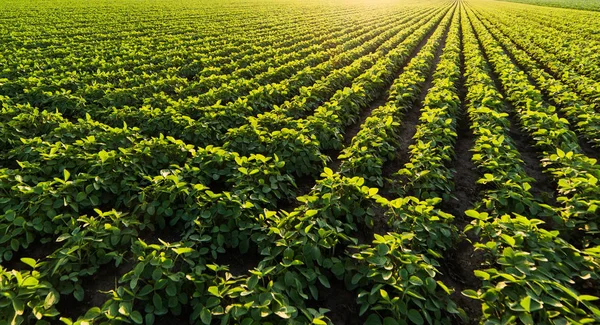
[408, 126]
[460, 262]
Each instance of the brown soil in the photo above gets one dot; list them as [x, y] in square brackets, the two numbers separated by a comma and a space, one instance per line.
[341, 302]
[458, 266]
[239, 263]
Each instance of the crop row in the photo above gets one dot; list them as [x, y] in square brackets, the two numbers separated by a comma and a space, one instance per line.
[574, 173]
[579, 112]
[581, 83]
[156, 125]
[172, 192]
[576, 50]
[376, 142]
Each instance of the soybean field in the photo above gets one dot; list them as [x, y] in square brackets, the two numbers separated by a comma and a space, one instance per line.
[299, 162]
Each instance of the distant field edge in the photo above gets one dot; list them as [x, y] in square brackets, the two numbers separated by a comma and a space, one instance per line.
[589, 5]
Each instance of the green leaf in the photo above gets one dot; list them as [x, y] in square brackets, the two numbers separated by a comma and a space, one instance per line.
[444, 287]
[63, 237]
[149, 319]
[183, 250]
[157, 301]
[324, 281]
[252, 281]
[206, 316]
[471, 294]
[481, 274]
[526, 303]
[92, 313]
[103, 155]
[377, 260]
[29, 261]
[136, 317]
[382, 249]
[14, 244]
[390, 321]
[588, 298]
[80, 196]
[430, 284]
[171, 290]
[526, 319]
[509, 240]
[145, 290]
[66, 174]
[79, 293]
[19, 221]
[18, 305]
[214, 291]
[384, 294]
[472, 213]
[30, 282]
[157, 274]
[51, 299]
[415, 317]
[415, 281]
[415, 294]
[373, 319]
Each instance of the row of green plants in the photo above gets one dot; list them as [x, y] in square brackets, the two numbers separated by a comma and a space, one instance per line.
[99, 196]
[302, 141]
[395, 277]
[150, 67]
[426, 174]
[576, 50]
[568, 74]
[421, 233]
[506, 185]
[165, 89]
[73, 146]
[377, 141]
[529, 275]
[317, 94]
[170, 121]
[167, 40]
[575, 174]
[583, 116]
[157, 297]
[162, 179]
[190, 121]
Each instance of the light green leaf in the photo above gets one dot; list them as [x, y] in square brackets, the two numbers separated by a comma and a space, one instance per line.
[103, 155]
[482, 275]
[29, 261]
[526, 303]
[415, 280]
[51, 299]
[471, 294]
